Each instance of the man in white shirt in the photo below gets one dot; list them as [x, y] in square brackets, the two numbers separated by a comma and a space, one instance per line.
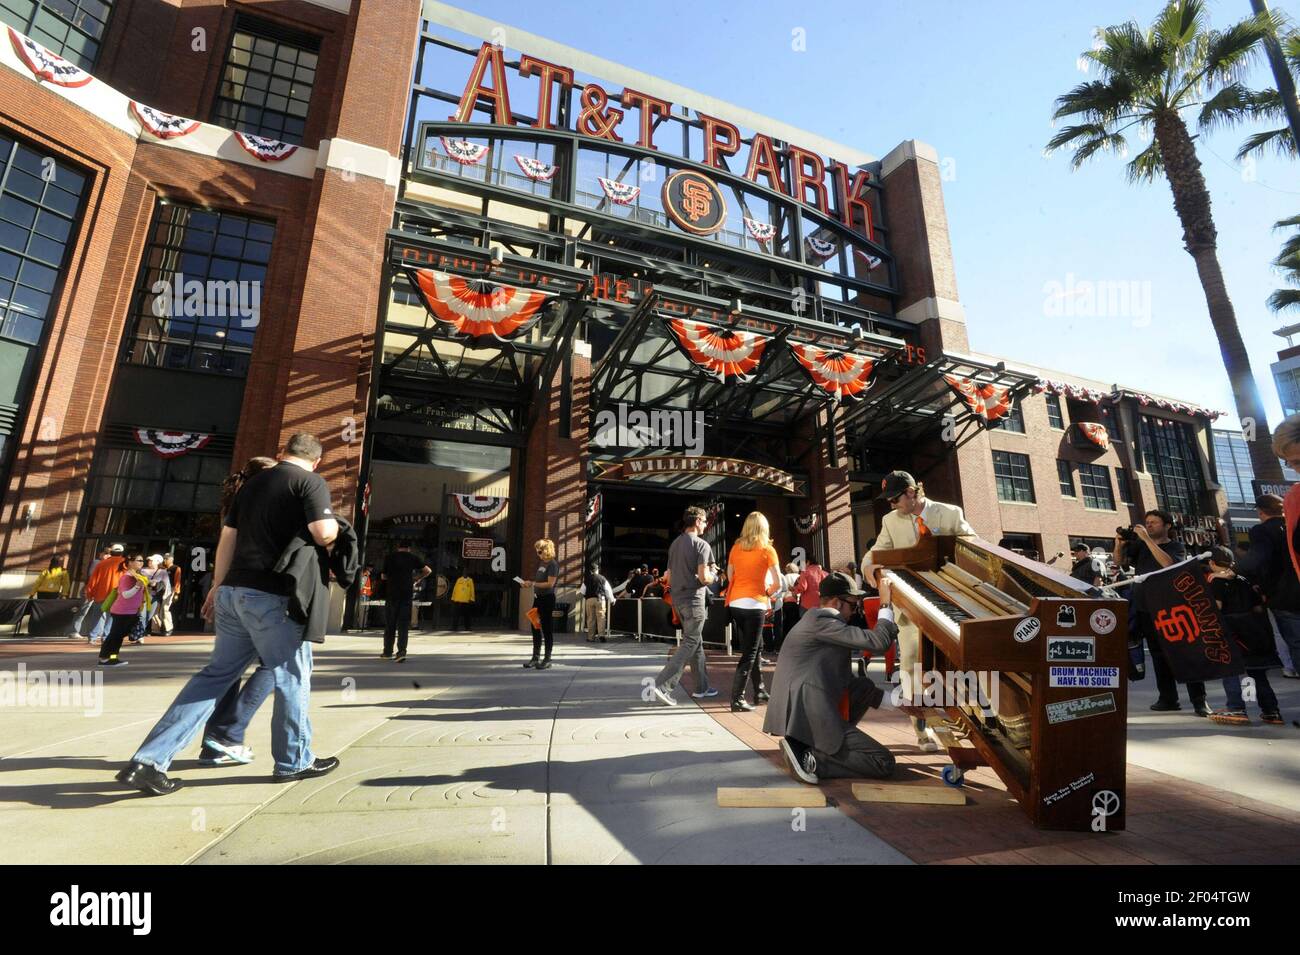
[912, 517]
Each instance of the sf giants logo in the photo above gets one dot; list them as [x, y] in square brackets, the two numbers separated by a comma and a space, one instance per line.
[1177, 624]
[697, 200]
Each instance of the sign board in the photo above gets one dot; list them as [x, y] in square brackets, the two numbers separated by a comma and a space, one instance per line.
[476, 548]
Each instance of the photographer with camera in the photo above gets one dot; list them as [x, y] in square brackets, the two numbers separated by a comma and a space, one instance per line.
[1146, 548]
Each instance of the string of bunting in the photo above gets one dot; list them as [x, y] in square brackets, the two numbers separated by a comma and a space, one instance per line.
[1097, 396]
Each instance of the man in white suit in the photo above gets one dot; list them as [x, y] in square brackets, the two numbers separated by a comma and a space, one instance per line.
[912, 517]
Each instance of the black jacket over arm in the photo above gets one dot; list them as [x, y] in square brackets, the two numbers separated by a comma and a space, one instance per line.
[306, 565]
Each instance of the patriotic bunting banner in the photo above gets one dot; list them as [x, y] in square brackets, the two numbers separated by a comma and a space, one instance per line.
[479, 508]
[872, 262]
[1094, 433]
[762, 231]
[535, 169]
[477, 308]
[806, 523]
[1096, 397]
[619, 192]
[171, 444]
[593, 508]
[265, 150]
[44, 64]
[989, 402]
[463, 151]
[162, 125]
[820, 249]
[727, 353]
[837, 373]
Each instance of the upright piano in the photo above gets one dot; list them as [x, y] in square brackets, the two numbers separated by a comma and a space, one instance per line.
[1023, 669]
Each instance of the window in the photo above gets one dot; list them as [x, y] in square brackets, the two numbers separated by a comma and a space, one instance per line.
[39, 209]
[1168, 450]
[1011, 472]
[1234, 467]
[1054, 416]
[1124, 483]
[1014, 419]
[1094, 480]
[73, 29]
[137, 494]
[267, 81]
[205, 271]
[1065, 477]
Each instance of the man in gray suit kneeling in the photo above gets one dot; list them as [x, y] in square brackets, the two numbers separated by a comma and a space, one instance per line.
[814, 674]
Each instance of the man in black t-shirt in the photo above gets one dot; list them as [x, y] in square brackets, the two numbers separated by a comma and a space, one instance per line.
[250, 601]
[1083, 568]
[1150, 552]
[400, 570]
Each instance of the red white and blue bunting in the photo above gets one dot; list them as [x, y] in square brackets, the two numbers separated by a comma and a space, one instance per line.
[478, 308]
[986, 401]
[265, 150]
[805, 524]
[872, 262]
[463, 151]
[479, 508]
[837, 373]
[594, 504]
[762, 231]
[162, 125]
[535, 169]
[725, 352]
[819, 250]
[1096, 396]
[171, 444]
[46, 65]
[619, 192]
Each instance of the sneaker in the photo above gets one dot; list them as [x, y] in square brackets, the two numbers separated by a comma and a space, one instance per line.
[228, 754]
[1274, 718]
[802, 763]
[926, 745]
[150, 781]
[400, 658]
[318, 767]
[1230, 717]
[664, 698]
[762, 697]
[708, 694]
[545, 664]
[115, 662]
[1163, 706]
[1290, 673]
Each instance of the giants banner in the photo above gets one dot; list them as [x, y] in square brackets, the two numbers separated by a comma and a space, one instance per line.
[1186, 623]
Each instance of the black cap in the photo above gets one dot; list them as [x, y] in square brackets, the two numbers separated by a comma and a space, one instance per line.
[1080, 546]
[1222, 556]
[839, 585]
[895, 483]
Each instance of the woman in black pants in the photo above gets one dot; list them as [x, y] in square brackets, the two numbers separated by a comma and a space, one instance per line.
[132, 595]
[543, 586]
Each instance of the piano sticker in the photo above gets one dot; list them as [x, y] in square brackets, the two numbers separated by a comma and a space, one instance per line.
[1074, 787]
[1080, 708]
[1065, 616]
[1083, 676]
[1027, 629]
[1071, 649]
[1102, 621]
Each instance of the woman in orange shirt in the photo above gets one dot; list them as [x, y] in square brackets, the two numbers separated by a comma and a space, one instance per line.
[753, 571]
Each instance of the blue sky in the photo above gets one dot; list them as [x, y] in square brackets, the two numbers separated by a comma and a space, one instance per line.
[977, 82]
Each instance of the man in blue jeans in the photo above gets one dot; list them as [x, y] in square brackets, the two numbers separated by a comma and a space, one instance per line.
[251, 605]
[689, 559]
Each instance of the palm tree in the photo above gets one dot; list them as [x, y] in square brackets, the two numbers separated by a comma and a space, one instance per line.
[1289, 262]
[1149, 78]
[1268, 105]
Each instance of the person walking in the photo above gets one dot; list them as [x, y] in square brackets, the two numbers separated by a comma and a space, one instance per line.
[53, 582]
[160, 591]
[789, 602]
[462, 601]
[805, 588]
[543, 588]
[599, 595]
[101, 582]
[128, 610]
[402, 573]
[690, 559]
[1241, 605]
[173, 571]
[91, 610]
[1268, 563]
[273, 511]
[753, 569]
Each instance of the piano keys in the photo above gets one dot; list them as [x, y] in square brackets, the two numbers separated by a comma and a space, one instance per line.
[1049, 655]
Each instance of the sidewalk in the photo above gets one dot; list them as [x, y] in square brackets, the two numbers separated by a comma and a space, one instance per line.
[458, 755]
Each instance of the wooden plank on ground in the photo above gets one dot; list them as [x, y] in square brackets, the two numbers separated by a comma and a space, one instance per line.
[922, 794]
[783, 797]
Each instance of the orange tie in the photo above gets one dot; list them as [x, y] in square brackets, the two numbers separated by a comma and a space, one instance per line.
[921, 529]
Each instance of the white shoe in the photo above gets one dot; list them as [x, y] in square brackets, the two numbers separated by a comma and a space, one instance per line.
[230, 755]
[927, 745]
[805, 769]
[664, 698]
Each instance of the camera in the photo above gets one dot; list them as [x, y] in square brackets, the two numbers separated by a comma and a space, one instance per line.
[1125, 534]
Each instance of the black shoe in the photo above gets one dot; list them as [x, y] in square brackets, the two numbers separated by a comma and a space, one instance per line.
[800, 760]
[742, 706]
[318, 767]
[545, 664]
[150, 781]
[602, 640]
[761, 697]
[113, 662]
[1164, 706]
[531, 663]
[1201, 708]
[401, 657]
[385, 656]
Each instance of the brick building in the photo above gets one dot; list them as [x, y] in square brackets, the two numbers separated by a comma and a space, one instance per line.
[224, 222]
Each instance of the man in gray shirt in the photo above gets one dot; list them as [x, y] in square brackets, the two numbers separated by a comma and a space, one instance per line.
[688, 577]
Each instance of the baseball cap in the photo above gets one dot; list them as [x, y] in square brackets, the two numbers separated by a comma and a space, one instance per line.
[839, 585]
[895, 483]
[1080, 547]
[118, 549]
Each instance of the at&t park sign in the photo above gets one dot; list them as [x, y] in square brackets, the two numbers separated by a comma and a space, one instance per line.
[797, 173]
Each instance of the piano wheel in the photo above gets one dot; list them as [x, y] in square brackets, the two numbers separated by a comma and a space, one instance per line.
[953, 776]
